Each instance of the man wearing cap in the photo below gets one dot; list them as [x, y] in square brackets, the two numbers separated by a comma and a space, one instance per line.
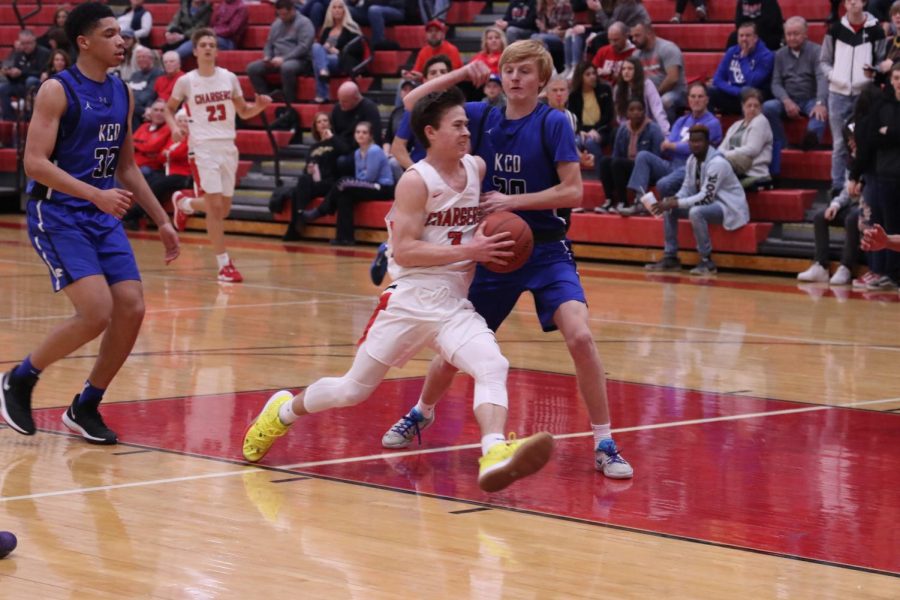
[435, 32]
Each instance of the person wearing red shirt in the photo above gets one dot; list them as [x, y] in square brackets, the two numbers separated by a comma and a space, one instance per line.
[150, 139]
[435, 32]
[609, 58]
[493, 43]
[172, 71]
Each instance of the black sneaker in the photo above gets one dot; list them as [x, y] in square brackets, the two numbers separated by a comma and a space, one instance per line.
[15, 403]
[668, 263]
[379, 266]
[85, 420]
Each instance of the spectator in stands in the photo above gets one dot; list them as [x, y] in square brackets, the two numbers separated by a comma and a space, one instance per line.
[331, 53]
[320, 174]
[436, 45]
[191, 15]
[352, 108]
[767, 16]
[636, 134]
[377, 14]
[663, 65]
[171, 73]
[554, 18]
[55, 37]
[710, 194]
[852, 44]
[518, 22]
[373, 181]
[749, 63]
[139, 20]
[799, 87]
[633, 84]
[142, 83]
[129, 65]
[493, 93]
[150, 139]
[591, 101]
[393, 125]
[314, 10]
[557, 96]
[609, 59]
[680, 5]
[287, 51]
[892, 51]
[229, 21]
[630, 12]
[433, 9]
[59, 61]
[493, 43]
[666, 171]
[22, 70]
[405, 148]
[747, 144]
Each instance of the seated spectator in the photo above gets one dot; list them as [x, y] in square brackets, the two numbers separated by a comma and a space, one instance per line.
[139, 20]
[142, 84]
[593, 35]
[630, 12]
[287, 51]
[554, 18]
[799, 87]
[710, 194]
[632, 84]
[352, 108]
[892, 50]
[433, 9]
[55, 37]
[663, 65]
[373, 181]
[191, 15]
[405, 148]
[436, 45]
[149, 141]
[609, 59]
[129, 65]
[747, 144]
[171, 73]
[591, 101]
[518, 22]
[767, 16]
[858, 34]
[667, 171]
[320, 174]
[748, 64]
[229, 21]
[377, 14]
[493, 93]
[314, 10]
[331, 54]
[557, 95]
[393, 125]
[680, 5]
[493, 43]
[59, 61]
[636, 134]
[22, 69]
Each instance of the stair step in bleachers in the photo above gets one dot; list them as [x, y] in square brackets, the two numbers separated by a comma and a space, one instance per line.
[10, 33]
[256, 143]
[812, 165]
[306, 86]
[389, 62]
[8, 158]
[713, 36]
[305, 111]
[662, 10]
[701, 65]
[44, 16]
[257, 14]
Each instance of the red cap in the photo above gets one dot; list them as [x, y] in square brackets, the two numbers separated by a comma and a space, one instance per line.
[435, 23]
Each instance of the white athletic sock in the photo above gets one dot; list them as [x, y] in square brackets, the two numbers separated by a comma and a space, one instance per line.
[601, 432]
[490, 440]
[427, 410]
[286, 413]
[185, 205]
[222, 259]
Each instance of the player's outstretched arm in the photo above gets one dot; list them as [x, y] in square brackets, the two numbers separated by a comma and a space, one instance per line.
[49, 108]
[566, 194]
[248, 111]
[408, 222]
[477, 72]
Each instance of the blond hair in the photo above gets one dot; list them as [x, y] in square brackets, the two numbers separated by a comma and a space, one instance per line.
[348, 23]
[525, 50]
[502, 35]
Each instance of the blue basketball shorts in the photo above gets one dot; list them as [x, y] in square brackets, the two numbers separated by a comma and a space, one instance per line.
[550, 275]
[76, 242]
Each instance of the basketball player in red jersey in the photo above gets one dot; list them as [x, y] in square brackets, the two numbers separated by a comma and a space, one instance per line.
[212, 96]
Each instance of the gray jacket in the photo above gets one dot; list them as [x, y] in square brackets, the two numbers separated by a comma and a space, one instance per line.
[800, 78]
[290, 40]
[717, 183]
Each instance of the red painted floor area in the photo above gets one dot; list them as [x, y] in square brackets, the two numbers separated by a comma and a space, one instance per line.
[822, 485]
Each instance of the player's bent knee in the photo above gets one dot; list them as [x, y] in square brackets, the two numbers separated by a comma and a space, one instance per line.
[350, 392]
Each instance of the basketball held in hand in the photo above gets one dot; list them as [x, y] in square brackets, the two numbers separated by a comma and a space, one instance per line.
[520, 233]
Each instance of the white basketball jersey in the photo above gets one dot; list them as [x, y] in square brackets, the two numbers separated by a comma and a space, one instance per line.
[209, 104]
[451, 219]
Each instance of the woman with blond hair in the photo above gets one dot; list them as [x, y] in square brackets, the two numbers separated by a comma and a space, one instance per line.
[493, 43]
[338, 31]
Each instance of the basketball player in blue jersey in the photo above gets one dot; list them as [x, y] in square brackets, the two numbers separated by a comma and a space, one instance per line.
[79, 144]
[533, 170]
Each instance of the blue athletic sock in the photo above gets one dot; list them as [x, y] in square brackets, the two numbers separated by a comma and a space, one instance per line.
[90, 394]
[26, 370]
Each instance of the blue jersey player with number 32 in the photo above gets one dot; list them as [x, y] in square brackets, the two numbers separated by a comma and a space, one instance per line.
[533, 170]
[79, 145]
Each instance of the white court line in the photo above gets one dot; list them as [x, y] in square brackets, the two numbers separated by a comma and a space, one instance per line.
[355, 459]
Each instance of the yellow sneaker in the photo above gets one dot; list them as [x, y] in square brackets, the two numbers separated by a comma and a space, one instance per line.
[261, 434]
[513, 459]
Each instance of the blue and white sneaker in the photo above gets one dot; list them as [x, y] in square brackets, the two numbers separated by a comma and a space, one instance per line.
[411, 425]
[609, 462]
[379, 266]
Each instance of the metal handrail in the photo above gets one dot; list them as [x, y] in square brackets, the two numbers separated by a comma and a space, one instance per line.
[22, 18]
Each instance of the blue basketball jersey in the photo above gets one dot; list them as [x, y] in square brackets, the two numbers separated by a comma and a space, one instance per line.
[90, 136]
[521, 155]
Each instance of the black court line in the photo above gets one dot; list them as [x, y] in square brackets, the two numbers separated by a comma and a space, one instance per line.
[289, 479]
[737, 392]
[131, 452]
[469, 510]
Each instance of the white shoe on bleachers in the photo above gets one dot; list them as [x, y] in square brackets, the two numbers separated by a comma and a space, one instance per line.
[816, 273]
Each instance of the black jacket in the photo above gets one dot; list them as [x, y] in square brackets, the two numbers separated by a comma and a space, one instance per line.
[603, 93]
[344, 122]
[353, 56]
[767, 15]
[878, 153]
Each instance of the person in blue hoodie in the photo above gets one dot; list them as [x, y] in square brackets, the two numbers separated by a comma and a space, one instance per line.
[711, 194]
[749, 63]
[667, 171]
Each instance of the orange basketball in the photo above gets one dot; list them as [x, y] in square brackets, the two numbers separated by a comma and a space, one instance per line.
[520, 233]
